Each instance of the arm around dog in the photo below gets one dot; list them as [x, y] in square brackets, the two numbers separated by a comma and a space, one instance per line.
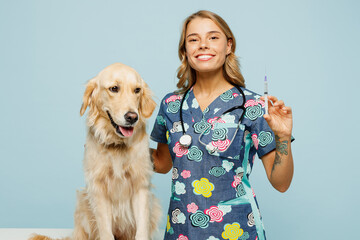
[161, 158]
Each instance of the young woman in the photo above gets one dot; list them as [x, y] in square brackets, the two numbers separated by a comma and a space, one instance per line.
[209, 131]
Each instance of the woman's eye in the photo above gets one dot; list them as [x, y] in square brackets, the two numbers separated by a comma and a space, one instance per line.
[137, 90]
[192, 40]
[114, 89]
[212, 38]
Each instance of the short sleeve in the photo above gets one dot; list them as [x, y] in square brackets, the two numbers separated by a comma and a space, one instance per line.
[158, 133]
[263, 136]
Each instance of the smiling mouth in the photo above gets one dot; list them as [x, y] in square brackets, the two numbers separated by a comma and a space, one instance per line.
[125, 131]
[204, 57]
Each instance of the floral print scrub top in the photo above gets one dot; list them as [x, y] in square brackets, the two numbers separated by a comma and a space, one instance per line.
[211, 194]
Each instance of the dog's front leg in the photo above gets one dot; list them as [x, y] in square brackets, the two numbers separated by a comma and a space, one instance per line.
[102, 212]
[141, 208]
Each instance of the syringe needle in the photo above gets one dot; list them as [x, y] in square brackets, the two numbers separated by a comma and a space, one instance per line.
[266, 95]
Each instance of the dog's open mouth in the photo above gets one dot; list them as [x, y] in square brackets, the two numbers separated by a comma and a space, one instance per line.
[126, 131]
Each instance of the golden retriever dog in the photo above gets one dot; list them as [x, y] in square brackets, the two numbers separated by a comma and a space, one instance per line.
[117, 202]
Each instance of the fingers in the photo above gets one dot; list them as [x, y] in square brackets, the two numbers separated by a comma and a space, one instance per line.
[272, 98]
[274, 101]
[279, 104]
[287, 109]
[276, 105]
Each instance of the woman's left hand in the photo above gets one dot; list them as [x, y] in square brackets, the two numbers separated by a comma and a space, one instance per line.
[279, 117]
[279, 164]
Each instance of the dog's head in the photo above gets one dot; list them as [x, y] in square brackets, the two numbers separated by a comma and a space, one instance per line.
[119, 101]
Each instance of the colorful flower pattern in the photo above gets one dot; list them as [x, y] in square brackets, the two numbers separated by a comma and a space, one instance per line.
[265, 138]
[227, 96]
[215, 120]
[178, 216]
[227, 165]
[240, 190]
[179, 188]
[195, 154]
[182, 237]
[202, 127]
[203, 187]
[251, 220]
[179, 150]
[219, 134]
[254, 112]
[178, 128]
[173, 98]
[255, 141]
[217, 171]
[192, 208]
[218, 176]
[232, 231]
[185, 174]
[216, 215]
[199, 219]
[160, 120]
[175, 174]
[221, 145]
[173, 106]
[169, 229]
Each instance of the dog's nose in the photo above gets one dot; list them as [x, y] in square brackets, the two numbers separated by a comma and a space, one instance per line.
[131, 117]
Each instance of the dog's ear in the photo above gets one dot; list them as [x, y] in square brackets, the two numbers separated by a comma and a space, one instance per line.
[90, 87]
[147, 104]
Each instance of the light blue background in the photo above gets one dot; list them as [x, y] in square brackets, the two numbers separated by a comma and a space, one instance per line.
[49, 49]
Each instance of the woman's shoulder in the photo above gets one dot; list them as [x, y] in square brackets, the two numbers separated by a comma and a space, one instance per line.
[171, 97]
[252, 99]
[250, 95]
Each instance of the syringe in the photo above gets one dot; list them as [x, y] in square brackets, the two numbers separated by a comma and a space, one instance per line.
[266, 95]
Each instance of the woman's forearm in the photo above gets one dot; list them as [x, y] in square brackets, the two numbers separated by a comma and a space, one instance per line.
[283, 167]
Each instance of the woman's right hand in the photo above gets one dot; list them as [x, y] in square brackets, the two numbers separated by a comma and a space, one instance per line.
[161, 158]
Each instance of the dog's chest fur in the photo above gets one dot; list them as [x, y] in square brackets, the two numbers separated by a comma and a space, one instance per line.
[116, 174]
[115, 170]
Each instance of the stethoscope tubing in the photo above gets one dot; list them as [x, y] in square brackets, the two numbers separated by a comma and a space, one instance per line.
[242, 106]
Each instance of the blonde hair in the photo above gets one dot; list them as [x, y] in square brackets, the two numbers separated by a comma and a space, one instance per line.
[187, 75]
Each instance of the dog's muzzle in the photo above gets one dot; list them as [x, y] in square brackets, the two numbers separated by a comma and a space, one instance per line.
[125, 131]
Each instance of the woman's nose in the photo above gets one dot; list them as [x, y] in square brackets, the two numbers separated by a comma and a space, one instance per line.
[204, 44]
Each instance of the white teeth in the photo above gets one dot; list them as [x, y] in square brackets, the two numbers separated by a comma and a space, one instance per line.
[204, 57]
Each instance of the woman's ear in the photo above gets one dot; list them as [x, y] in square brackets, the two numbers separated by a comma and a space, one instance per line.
[229, 46]
[147, 104]
[90, 87]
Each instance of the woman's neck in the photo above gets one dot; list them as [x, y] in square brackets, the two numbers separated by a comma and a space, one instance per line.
[208, 87]
[208, 84]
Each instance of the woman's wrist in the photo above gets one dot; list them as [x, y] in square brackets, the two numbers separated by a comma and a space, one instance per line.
[282, 136]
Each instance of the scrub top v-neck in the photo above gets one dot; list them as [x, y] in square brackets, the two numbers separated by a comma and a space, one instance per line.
[211, 196]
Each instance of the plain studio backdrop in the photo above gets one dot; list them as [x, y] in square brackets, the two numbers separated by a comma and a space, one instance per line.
[49, 49]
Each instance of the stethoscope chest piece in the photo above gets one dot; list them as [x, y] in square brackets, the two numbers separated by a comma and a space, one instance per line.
[212, 149]
[185, 140]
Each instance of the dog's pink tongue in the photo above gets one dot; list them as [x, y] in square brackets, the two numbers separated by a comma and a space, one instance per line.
[126, 131]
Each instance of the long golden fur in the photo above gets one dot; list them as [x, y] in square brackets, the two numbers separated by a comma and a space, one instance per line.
[117, 202]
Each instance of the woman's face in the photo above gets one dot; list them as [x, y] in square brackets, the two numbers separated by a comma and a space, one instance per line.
[206, 45]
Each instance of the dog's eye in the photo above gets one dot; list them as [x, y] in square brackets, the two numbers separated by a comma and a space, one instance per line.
[114, 89]
[137, 90]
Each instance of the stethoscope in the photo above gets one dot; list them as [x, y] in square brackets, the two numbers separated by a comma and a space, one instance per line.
[186, 140]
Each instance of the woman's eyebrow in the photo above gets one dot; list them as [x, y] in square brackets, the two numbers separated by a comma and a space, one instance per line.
[192, 34]
[196, 34]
